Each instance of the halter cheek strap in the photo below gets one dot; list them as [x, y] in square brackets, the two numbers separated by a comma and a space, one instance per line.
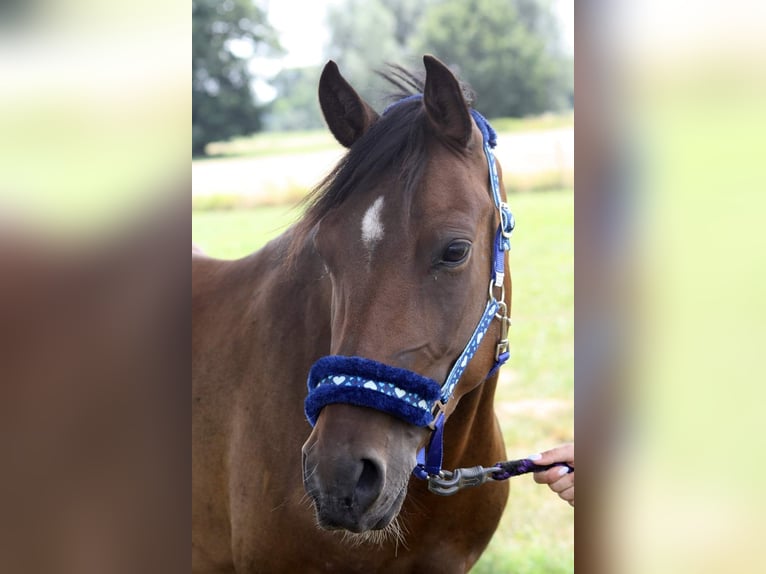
[429, 460]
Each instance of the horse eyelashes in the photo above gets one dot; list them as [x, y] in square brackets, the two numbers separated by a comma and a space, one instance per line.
[456, 253]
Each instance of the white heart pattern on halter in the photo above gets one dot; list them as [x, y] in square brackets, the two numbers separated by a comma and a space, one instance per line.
[383, 387]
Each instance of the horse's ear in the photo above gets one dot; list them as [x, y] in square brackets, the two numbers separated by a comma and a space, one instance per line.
[347, 115]
[444, 102]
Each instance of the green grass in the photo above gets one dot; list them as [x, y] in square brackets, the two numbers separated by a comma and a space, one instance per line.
[236, 233]
[536, 393]
[542, 269]
[535, 396]
[545, 180]
[279, 143]
[273, 143]
[534, 123]
[82, 165]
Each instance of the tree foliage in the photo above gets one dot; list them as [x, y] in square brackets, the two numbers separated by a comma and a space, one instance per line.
[508, 50]
[297, 107]
[225, 33]
[364, 34]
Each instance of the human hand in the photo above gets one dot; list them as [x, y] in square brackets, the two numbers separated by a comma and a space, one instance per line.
[557, 478]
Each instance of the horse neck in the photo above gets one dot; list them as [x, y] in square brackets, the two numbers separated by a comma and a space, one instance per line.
[279, 273]
[272, 311]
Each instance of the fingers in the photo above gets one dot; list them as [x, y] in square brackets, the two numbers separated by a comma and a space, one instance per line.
[558, 478]
[568, 495]
[563, 453]
[552, 475]
[561, 484]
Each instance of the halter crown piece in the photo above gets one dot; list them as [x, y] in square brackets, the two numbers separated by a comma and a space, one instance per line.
[404, 394]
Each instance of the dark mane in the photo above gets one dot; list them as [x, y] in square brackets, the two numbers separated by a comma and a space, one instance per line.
[395, 144]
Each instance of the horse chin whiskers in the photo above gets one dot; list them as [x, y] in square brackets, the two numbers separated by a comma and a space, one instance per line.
[395, 532]
[307, 501]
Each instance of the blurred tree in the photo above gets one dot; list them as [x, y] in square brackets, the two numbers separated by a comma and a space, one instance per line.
[363, 36]
[508, 50]
[296, 106]
[407, 15]
[225, 33]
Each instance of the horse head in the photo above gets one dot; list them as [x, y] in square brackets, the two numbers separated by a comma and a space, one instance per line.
[405, 226]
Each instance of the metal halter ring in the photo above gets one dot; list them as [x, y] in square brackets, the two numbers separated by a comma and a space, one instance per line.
[492, 288]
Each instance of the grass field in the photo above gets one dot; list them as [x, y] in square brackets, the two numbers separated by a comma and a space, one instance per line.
[296, 142]
[535, 395]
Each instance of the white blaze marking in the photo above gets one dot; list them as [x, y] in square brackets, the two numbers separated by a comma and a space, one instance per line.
[372, 226]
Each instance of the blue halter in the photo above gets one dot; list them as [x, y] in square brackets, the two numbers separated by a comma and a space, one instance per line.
[404, 394]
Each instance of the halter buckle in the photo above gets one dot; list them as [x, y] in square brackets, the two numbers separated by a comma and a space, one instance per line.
[507, 221]
[505, 325]
[502, 347]
[439, 407]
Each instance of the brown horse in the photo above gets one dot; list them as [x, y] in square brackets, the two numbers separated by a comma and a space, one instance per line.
[391, 262]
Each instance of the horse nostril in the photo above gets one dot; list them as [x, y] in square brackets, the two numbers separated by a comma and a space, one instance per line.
[370, 483]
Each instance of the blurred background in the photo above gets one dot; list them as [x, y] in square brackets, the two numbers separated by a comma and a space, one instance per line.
[95, 131]
[94, 112]
[260, 144]
[256, 69]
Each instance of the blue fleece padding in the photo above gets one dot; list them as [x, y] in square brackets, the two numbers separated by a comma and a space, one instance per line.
[487, 131]
[366, 383]
[402, 101]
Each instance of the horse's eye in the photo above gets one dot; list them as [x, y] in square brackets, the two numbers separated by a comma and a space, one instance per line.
[456, 252]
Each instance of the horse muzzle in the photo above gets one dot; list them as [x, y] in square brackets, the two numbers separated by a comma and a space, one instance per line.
[352, 494]
[356, 467]
[357, 461]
